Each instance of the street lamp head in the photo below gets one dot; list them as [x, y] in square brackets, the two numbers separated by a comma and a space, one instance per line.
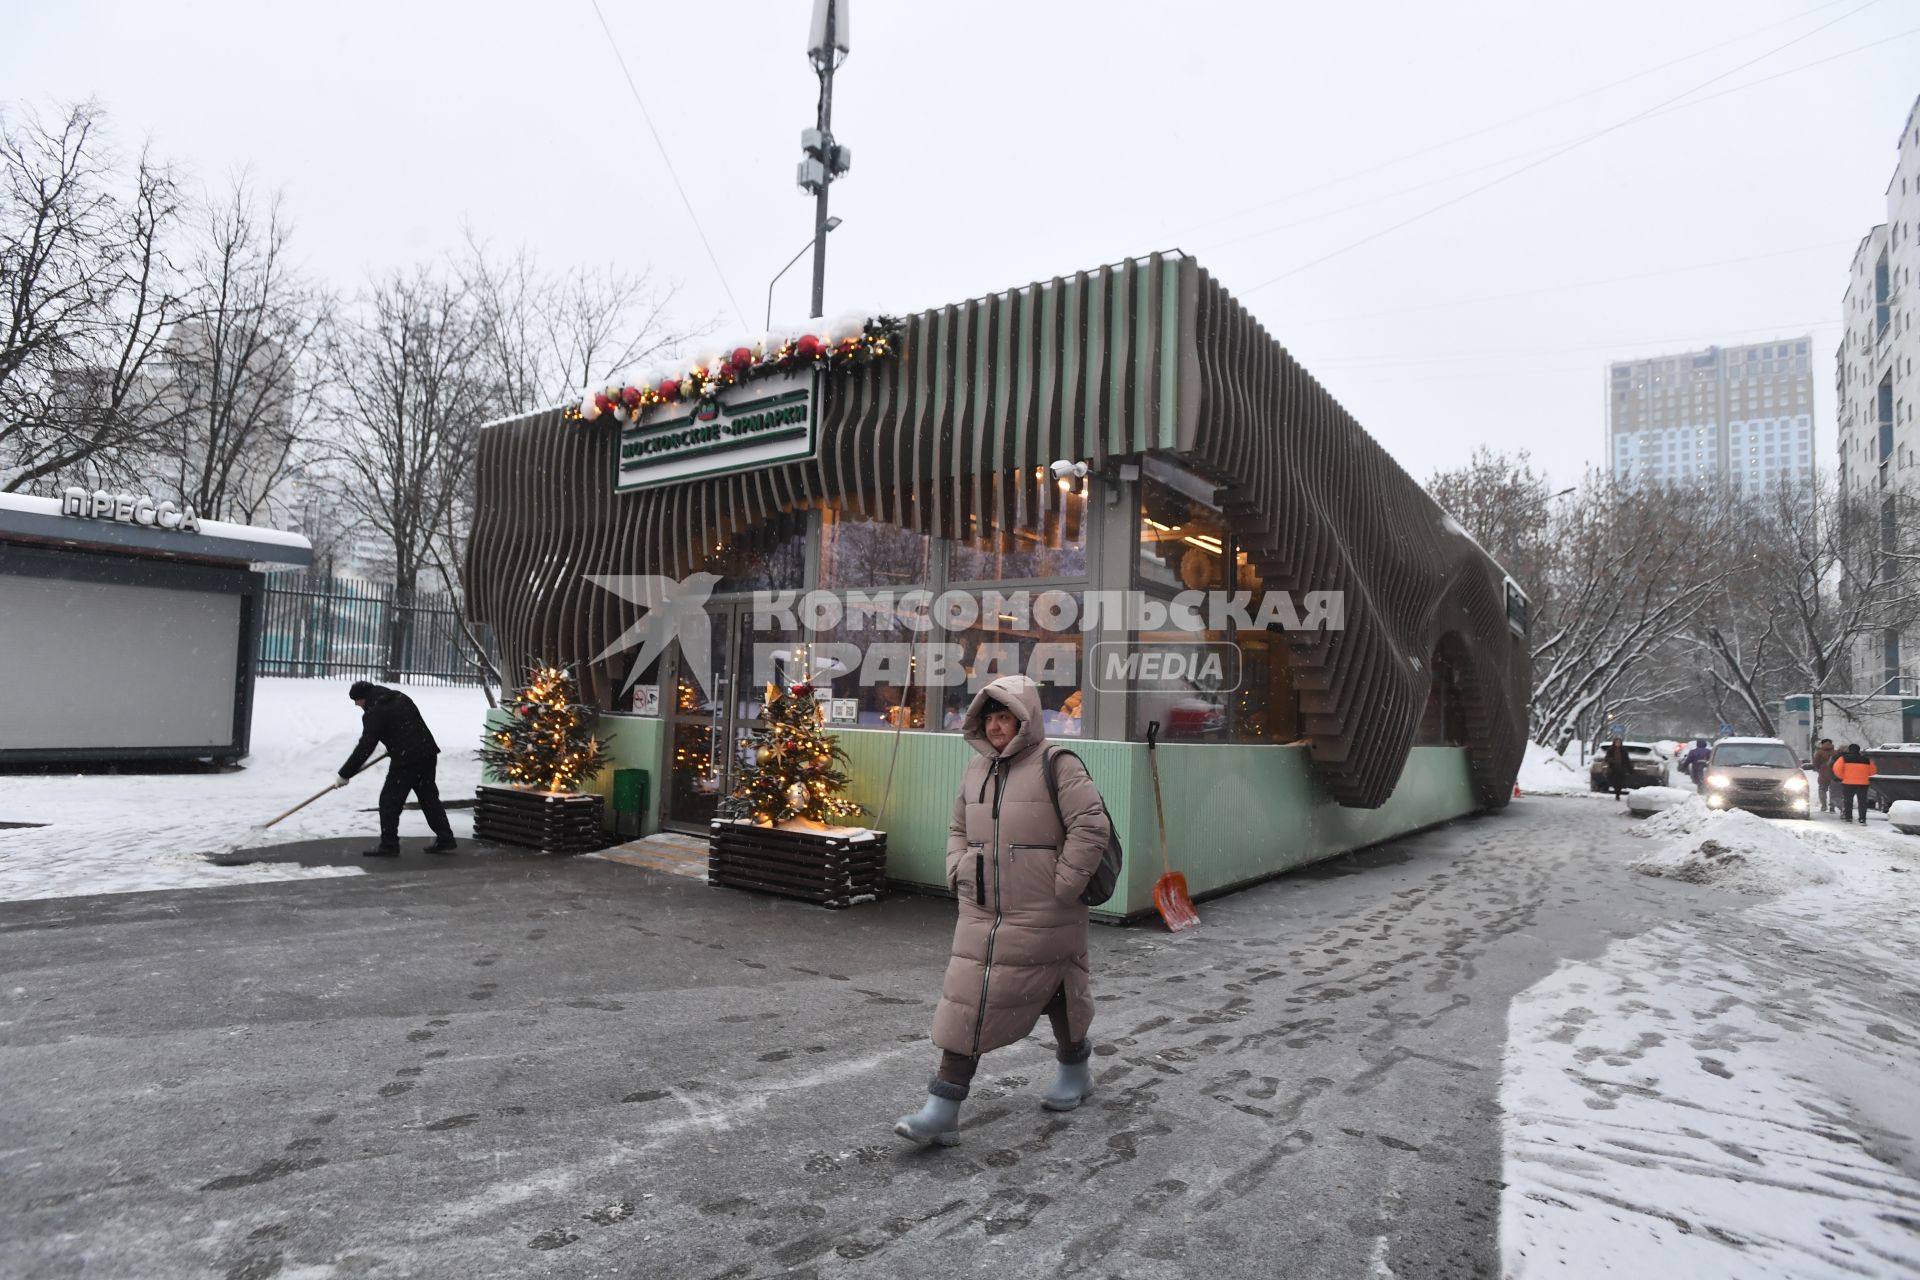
[832, 223]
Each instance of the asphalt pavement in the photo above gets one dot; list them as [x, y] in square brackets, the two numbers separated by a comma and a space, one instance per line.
[496, 1065]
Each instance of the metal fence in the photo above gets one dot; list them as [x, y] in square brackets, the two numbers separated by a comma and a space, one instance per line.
[346, 627]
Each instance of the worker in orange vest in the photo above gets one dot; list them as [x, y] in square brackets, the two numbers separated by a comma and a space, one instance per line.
[1852, 770]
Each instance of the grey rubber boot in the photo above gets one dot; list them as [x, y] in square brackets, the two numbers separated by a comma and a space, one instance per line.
[937, 1123]
[1072, 1084]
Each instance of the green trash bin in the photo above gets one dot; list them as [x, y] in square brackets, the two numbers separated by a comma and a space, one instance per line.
[630, 802]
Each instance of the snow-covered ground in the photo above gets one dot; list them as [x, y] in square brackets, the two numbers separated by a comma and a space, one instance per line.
[1543, 773]
[125, 832]
[1729, 1096]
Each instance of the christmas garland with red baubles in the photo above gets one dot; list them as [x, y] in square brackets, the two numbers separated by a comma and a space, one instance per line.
[836, 348]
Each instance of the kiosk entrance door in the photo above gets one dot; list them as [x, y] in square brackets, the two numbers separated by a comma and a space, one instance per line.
[710, 731]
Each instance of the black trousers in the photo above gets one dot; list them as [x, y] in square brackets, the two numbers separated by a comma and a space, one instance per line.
[413, 777]
[1849, 797]
[958, 1068]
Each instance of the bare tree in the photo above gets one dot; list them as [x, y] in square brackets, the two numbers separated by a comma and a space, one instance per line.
[411, 387]
[547, 336]
[88, 292]
[1505, 506]
[1611, 578]
[1628, 579]
[543, 338]
[1844, 572]
[245, 361]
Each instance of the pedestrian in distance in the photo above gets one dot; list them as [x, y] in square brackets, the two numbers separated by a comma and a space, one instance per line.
[1852, 770]
[1695, 763]
[391, 720]
[1823, 758]
[1619, 766]
[1017, 864]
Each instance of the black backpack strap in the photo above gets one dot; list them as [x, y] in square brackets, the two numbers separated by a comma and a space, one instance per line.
[1053, 782]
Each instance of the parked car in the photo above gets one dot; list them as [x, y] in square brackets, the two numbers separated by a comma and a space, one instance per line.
[1646, 761]
[1757, 774]
[1899, 773]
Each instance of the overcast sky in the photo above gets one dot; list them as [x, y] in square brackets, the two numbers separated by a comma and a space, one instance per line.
[998, 143]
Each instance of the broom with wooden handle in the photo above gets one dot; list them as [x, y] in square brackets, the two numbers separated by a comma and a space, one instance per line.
[316, 795]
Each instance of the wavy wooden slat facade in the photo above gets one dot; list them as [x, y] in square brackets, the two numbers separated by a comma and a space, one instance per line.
[1151, 355]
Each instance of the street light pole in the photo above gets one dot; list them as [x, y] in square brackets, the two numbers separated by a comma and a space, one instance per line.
[828, 44]
[829, 225]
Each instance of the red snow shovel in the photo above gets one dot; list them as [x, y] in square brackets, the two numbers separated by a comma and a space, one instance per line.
[316, 795]
[1170, 890]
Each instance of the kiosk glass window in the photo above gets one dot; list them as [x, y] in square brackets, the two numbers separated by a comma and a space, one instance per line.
[1045, 644]
[869, 664]
[871, 554]
[1186, 680]
[1266, 707]
[1182, 542]
[1053, 547]
[769, 557]
[1246, 695]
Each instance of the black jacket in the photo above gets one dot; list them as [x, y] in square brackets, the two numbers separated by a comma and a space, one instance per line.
[391, 721]
[1619, 763]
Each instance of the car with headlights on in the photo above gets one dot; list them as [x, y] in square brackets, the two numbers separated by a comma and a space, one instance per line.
[1646, 767]
[1757, 774]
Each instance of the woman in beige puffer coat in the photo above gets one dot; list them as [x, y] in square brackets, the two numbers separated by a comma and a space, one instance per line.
[1020, 945]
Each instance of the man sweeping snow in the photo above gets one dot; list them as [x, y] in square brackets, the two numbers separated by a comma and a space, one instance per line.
[392, 721]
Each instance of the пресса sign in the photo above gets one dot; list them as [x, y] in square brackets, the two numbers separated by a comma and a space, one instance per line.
[126, 508]
[749, 425]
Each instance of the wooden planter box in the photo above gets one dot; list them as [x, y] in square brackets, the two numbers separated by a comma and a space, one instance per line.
[829, 869]
[550, 821]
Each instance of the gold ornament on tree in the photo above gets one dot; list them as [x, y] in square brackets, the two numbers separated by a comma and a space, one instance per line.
[798, 775]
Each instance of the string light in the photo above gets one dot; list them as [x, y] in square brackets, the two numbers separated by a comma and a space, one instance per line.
[553, 742]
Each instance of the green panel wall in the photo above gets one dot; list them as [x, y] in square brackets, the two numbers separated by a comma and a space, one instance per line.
[633, 743]
[925, 781]
[1236, 814]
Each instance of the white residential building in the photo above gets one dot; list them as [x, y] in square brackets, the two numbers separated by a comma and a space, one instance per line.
[1737, 416]
[1876, 383]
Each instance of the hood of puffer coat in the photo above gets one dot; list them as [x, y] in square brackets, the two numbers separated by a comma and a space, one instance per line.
[1020, 695]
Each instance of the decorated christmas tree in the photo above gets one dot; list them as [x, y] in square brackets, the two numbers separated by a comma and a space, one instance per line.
[551, 744]
[798, 775]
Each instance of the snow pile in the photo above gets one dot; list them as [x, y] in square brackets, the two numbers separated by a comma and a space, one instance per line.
[1544, 771]
[1645, 800]
[1905, 816]
[126, 832]
[1738, 850]
[1685, 818]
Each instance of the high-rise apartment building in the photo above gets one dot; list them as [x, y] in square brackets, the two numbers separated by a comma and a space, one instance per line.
[1876, 384]
[1735, 416]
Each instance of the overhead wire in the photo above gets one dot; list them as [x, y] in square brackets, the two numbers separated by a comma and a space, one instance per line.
[1555, 154]
[1532, 113]
[1792, 330]
[667, 160]
[1544, 151]
[1805, 66]
[1581, 284]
